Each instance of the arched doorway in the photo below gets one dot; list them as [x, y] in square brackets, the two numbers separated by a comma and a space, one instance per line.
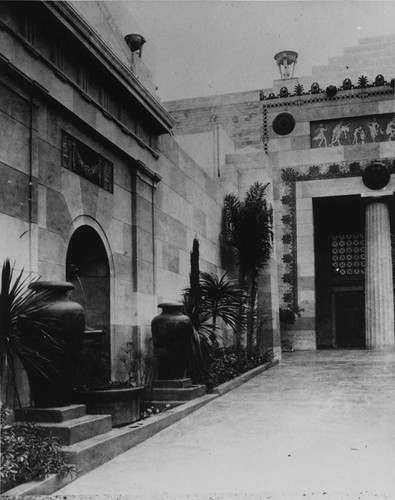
[87, 268]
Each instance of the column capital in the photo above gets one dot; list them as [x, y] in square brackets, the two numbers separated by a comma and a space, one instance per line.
[373, 196]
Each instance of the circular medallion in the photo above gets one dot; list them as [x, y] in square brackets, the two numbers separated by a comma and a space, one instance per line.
[331, 91]
[284, 123]
[376, 176]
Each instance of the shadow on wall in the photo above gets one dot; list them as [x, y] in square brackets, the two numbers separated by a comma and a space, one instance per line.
[87, 268]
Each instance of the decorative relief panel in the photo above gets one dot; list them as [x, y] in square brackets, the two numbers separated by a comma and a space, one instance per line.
[355, 130]
[81, 159]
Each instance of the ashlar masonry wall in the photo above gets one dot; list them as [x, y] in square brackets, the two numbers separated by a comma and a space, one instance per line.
[159, 200]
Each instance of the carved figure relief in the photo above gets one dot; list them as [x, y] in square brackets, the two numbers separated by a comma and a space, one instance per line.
[356, 130]
[81, 159]
[320, 137]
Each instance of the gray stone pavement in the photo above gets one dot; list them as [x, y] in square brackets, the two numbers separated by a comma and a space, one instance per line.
[319, 425]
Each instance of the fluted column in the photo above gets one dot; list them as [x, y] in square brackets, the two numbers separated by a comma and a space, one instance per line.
[379, 295]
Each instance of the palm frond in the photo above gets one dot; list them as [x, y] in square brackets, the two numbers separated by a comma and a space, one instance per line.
[27, 331]
[222, 297]
[249, 226]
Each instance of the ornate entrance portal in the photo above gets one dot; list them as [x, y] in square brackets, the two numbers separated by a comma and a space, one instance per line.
[340, 272]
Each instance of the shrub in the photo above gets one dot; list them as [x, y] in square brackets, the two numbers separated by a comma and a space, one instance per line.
[228, 363]
[288, 315]
[27, 454]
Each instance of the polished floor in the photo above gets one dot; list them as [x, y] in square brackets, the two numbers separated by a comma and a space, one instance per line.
[319, 425]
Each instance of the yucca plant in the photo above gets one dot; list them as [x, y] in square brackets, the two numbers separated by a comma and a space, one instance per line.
[221, 298]
[249, 230]
[26, 333]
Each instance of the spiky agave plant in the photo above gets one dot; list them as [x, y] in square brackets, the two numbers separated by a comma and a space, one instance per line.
[26, 332]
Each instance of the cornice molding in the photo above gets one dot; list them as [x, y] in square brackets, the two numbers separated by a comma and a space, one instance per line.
[72, 21]
[32, 89]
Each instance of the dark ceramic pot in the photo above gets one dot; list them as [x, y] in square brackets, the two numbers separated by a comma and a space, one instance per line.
[66, 320]
[171, 334]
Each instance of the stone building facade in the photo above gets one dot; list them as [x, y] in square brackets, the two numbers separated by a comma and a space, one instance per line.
[105, 186]
[320, 138]
[94, 188]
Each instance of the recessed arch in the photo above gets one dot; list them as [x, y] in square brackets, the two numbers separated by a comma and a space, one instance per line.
[88, 269]
[87, 220]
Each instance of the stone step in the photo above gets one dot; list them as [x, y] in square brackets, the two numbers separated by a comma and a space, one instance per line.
[166, 405]
[177, 383]
[177, 394]
[78, 429]
[59, 414]
[91, 453]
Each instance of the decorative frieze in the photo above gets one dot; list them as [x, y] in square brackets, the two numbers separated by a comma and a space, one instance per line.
[351, 131]
[345, 95]
[81, 159]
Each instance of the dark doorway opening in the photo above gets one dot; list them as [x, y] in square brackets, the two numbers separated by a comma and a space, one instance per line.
[87, 268]
[339, 239]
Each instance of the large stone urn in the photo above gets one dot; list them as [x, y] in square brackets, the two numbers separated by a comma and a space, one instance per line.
[64, 321]
[171, 335]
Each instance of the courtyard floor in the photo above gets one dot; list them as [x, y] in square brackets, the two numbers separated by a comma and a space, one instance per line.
[319, 425]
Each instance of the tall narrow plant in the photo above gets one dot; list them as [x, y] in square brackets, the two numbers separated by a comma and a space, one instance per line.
[192, 295]
[194, 275]
[200, 342]
[249, 230]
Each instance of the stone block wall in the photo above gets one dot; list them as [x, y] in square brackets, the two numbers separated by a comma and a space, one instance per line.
[238, 114]
[188, 203]
[147, 228]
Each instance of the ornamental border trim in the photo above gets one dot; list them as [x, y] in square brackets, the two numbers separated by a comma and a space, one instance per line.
[296, 100]
[289, 176]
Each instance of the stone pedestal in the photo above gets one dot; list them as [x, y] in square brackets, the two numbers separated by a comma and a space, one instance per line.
[175, 392]
[379, 296]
